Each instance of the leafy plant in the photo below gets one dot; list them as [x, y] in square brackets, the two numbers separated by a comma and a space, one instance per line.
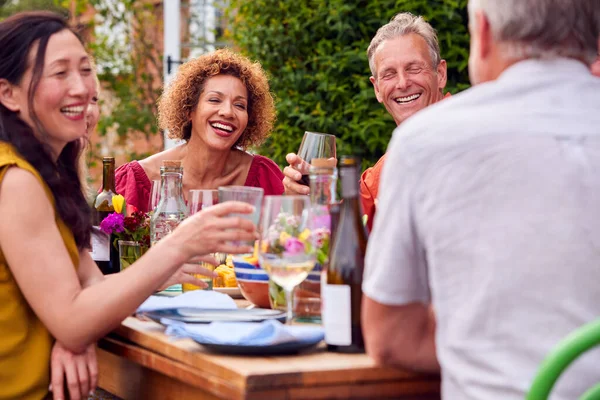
[129, 64]
[8, 7]
[315, 53]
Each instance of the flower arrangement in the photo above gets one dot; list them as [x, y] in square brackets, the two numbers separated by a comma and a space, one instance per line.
[135, 227]
[285, 238]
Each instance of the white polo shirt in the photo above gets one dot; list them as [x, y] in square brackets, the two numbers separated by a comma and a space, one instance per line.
[489, 208]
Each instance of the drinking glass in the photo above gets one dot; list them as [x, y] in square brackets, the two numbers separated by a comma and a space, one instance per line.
[154, 195]
[286, 251]
[246, 194]
[314, 145]
[199, 199]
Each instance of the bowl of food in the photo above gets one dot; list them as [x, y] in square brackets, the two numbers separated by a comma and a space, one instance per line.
[252, 280]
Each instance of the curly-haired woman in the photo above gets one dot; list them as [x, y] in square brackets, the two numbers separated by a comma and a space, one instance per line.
[219, 104]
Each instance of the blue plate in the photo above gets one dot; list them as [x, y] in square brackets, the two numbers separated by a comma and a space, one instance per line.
[205, 315]
[267, 350]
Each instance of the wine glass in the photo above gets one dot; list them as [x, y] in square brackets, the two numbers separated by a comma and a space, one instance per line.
[198, 200]
[154, 195]
[314, 145]
[286, 250]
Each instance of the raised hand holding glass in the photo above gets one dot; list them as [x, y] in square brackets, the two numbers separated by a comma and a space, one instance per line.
[314, 145]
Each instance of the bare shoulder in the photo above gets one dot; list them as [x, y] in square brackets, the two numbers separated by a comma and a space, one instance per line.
[18, 182]
[22, 196]
[151, 165]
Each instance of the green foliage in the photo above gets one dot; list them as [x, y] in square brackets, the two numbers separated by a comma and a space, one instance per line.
[8, 7]
[315, 53]
[129, 65]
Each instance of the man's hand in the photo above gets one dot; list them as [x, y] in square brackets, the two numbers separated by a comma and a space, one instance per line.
[293, 173]
[80, 371]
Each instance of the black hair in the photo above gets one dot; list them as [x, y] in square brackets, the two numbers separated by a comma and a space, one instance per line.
[18, 35]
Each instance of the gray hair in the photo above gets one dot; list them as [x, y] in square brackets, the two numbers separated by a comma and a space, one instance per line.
[404, 24]
[543, 28]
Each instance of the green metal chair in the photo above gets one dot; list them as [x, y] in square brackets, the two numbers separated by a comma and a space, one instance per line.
[571, 347]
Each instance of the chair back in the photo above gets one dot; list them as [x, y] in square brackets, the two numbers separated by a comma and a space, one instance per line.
[567, 350]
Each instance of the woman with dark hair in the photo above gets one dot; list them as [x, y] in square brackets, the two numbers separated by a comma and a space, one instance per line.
[220, 105]
[50, 288]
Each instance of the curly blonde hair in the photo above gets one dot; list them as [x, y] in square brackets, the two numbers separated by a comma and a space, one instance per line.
[182, 95]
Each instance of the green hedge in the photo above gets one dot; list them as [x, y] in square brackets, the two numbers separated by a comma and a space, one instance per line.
[315, 54]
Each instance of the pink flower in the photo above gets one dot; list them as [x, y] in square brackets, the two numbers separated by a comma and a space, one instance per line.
[113, 223]
[293, 246]
[321, 221]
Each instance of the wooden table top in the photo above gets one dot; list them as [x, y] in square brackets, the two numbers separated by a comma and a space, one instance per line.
[313, 374]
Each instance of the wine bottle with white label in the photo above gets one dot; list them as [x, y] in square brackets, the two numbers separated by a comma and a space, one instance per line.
[341, 283]
[103, 251]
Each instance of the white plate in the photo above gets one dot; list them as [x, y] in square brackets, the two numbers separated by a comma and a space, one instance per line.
[231, 291]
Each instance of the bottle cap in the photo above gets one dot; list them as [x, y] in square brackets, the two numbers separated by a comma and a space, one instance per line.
[108, 159]
[171, 163]
[349, 161]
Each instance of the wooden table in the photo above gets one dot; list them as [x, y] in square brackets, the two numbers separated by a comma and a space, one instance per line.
[138, 361]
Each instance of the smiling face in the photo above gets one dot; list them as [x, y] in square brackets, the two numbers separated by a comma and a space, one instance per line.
[63, 93]
[221, 115]
[406, 81]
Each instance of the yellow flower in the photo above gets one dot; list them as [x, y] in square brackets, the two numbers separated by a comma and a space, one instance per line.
[118, 202]
[264, 246]
[304, 235]
[283, 237]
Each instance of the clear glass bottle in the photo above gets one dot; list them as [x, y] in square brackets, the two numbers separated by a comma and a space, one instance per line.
[171, 208]
[323, 185]
[341, 283]
[104, 253]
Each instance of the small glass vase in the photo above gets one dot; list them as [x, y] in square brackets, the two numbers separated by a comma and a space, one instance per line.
[129, 252]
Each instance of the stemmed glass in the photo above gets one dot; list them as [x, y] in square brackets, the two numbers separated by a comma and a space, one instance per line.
[198, 200]
[314, 145]
[286, 250]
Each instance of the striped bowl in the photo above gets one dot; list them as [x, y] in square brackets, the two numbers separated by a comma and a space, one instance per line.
[253, 282]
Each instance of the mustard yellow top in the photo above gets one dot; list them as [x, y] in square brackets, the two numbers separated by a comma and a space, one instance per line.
[25, 343]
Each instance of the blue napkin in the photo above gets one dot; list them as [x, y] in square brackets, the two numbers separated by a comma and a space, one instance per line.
[265, 333]
[193, 299]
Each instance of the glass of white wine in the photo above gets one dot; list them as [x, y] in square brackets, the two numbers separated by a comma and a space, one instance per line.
[286, 250]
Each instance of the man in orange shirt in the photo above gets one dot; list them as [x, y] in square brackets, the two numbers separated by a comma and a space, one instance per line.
[408, 75]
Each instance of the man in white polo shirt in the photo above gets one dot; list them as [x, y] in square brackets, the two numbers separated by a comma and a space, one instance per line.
[494, 221]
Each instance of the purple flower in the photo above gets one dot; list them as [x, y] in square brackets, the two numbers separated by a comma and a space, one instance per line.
[113, 223]
[293, 246]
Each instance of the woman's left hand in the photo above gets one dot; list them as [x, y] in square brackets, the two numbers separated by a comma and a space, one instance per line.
[79, 370]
